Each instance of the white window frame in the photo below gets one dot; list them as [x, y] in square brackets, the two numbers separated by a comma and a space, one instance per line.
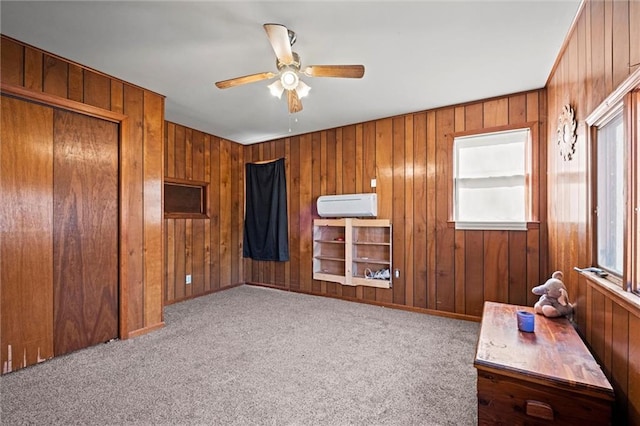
[467, 140]
[615, 112]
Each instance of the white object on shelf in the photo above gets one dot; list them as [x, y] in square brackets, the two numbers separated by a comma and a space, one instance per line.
[348, 205]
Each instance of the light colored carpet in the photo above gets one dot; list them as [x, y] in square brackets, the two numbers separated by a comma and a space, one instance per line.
[252, 355]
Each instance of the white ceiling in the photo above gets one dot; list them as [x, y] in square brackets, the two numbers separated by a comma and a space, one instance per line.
[418, 55]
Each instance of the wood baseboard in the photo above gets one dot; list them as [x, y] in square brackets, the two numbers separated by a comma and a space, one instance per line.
[182, 299]
[375, 303]
[144, 330]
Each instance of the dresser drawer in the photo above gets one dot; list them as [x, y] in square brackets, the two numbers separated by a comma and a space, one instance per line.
[504, 400]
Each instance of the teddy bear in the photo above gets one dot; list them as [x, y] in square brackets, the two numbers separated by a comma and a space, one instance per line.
[554, 298]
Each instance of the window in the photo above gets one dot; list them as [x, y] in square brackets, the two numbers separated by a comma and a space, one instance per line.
[610, 193]
[490, 180]
[615, 185]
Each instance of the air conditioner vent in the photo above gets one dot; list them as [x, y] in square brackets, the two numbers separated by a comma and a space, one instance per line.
[348, 205]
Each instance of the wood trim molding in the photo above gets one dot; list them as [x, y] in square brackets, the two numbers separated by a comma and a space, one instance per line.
[52, 100]
[145, 330]
[602, 111]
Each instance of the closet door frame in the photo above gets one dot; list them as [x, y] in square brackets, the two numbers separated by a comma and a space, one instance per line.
[123, 191]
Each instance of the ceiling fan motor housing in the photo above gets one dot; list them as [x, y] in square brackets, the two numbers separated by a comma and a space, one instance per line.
[294, 64]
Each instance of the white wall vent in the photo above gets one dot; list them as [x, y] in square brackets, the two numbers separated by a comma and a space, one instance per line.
[348, 205]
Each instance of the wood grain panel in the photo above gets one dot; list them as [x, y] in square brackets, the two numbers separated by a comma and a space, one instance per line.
[445, 290]
[152, 152]
[117, 97]
[399, 181]
[237, 212]
[620, 41]
[131, 204]
[474, 272]
[55, 76]
[597, 308]
[26, 256]
[306, 212]
[409, 260]
[32, 69]
[384, 175]
[496, 266]
[207, 223]
[518, 109]
[316, 191]
[419, 214]
[170, 261]
[633, 393]
[214, 205]
[294, 213]
[225, 213]
[431, 211]
[533, 265]
[620, 354]
[97, 91]
[496, 112]
[369, 172]
[517, 267]
[279, 267]
[188, 258]
[76, 83]
[85, 231]
[11, 59]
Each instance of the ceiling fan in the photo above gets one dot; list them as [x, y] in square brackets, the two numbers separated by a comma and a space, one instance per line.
[289, 70]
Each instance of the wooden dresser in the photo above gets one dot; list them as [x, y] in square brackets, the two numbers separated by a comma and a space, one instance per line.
[541, 378]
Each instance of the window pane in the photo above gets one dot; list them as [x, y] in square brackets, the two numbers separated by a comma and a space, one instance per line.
[490, 177]
[610, 195]
[491, 204]
[480, 161]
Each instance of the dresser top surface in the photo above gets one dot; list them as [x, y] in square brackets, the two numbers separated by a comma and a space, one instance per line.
[554, 352]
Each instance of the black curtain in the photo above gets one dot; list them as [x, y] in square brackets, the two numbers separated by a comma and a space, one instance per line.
[265, 224]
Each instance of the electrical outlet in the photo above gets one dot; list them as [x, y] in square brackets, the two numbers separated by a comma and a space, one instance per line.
[188, 279]
[374, 182]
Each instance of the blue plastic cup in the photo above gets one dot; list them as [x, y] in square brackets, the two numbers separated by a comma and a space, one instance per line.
[526, 321]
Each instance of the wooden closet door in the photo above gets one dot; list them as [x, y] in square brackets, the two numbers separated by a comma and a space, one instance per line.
[85, 231]
[26, 234]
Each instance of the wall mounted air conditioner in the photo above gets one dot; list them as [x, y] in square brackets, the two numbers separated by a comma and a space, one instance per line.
[348, 205]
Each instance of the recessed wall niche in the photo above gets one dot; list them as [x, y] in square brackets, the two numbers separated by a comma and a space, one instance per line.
[185, 199]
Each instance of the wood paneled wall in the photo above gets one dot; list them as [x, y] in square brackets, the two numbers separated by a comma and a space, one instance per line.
[141, 160]
[210, 250]
[602, 49]
[441, 268]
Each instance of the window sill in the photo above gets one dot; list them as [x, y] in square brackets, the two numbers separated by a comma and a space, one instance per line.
[493, 226]
[627, 299]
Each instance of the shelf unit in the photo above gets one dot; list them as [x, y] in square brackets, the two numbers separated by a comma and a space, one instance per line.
[348, 250]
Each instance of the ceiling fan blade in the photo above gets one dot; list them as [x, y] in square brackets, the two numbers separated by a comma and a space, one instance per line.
[343, 71]
[252, 78]
[295, 105]
[279, 38]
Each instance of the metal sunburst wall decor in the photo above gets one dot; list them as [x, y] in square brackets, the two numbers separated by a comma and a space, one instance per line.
[567, 132]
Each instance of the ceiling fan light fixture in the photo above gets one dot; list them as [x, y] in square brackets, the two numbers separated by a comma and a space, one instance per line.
[289, 79]
[276, 89]
[302, 89]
